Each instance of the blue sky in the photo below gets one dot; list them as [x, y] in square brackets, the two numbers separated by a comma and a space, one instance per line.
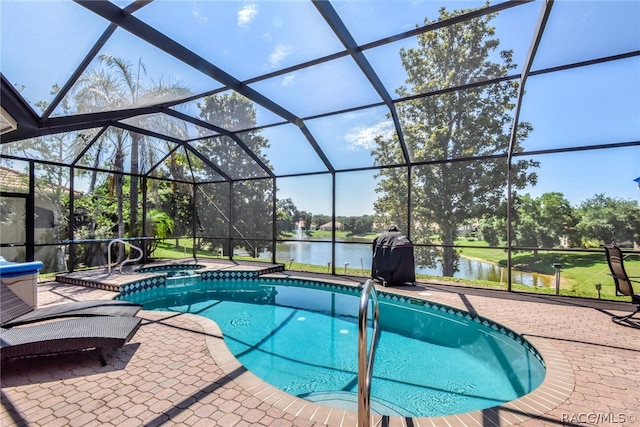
[588, 106]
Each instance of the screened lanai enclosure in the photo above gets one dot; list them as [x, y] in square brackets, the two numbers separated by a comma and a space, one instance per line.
[502, 137]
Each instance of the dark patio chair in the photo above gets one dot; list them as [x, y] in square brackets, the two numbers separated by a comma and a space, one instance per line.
[622, 280]
[69, 335]
[14, 311]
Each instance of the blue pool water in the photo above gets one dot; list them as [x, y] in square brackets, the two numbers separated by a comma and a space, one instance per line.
[302, 338]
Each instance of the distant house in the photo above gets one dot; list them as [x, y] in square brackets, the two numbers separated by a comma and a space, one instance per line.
[330, 225]
[46, 218]
[13, 208]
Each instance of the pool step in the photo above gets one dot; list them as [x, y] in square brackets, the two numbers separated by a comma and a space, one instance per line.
[348, 400]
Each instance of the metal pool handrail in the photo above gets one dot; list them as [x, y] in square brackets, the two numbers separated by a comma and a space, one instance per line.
[365, 359]
[126, 260]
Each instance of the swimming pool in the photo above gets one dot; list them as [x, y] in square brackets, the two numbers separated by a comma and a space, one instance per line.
[301, 337]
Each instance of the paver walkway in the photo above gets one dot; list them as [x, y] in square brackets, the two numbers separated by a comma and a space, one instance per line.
[168, 376]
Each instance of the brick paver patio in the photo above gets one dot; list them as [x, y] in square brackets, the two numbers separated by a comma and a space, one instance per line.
[177, 371]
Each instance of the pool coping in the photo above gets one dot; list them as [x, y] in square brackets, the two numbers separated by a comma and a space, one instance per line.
[557, 386]
[155, 275]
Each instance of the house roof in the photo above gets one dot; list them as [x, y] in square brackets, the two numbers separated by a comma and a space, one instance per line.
[13, 181]
[330, 224]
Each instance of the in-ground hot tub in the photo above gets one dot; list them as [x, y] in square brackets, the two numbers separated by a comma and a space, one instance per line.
[176, 274]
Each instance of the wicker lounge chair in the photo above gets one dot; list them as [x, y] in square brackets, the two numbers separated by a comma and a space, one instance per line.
[69, 335]
[14, 311]
[622, 281]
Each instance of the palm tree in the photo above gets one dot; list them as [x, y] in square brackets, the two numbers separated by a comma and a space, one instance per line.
[160, 227]
[117, 84]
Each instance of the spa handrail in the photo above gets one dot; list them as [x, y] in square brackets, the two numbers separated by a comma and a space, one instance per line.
[126, 261]
[365, 359]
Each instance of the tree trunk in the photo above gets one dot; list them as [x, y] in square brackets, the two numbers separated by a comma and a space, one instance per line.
[133, 193]
[92, 254]
[449, 256]
[119, 183]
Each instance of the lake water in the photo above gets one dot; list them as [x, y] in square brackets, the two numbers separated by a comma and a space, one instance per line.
[358, 256]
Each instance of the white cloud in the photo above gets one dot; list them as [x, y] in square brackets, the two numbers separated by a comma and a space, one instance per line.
[279, 53]
[247, 14]
[288, 79]
[360, 138]
[197, 14]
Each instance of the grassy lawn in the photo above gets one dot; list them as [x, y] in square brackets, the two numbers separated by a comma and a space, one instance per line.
[168, 249]
[579, 272]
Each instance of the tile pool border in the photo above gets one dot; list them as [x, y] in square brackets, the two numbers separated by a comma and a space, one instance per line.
[164, 268]
[556, 387]
[159, 279]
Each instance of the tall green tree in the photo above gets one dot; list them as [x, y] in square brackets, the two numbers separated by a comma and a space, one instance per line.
[558, 217]
[244, 207]
[174, 198]
[604, 219]
[100, 90]
[287, 215]
[357, 224]
[464, 123]
[390, 207]
[308, 219]
[545, 221]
